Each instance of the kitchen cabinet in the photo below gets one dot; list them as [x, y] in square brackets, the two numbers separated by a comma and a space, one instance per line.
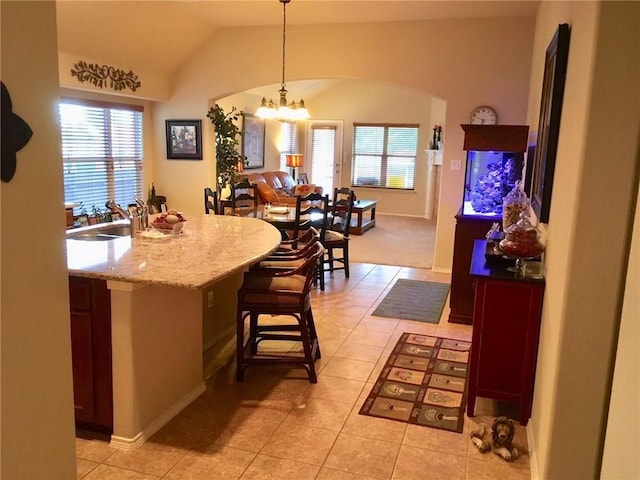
[506, 325]
[90, 307]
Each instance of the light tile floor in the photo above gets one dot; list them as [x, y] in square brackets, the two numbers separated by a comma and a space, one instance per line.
[276, 425]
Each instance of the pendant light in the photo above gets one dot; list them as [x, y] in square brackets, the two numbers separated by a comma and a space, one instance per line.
[283, 111]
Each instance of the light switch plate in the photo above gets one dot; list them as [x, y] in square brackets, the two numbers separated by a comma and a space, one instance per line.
[456, 164]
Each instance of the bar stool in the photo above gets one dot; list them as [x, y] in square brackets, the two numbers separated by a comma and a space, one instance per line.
[278, 291]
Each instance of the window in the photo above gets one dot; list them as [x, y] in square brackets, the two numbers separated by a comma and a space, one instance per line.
[102, 152]
[323, 145]
[384, 155]
[288, 143]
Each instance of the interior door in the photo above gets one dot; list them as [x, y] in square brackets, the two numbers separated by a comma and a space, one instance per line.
[324, 142]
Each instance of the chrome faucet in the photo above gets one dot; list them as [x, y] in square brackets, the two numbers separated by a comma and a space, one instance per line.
[143, 212]
[112, 205]
[138, 220]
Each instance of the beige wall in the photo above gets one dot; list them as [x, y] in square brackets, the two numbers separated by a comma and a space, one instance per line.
[594, 192]
[37, 428]
[441, 58]
[622, 441]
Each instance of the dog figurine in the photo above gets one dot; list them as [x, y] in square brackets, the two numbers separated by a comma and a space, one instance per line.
[502, 432]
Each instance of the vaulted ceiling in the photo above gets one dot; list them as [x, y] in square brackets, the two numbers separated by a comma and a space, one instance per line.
[159, 36]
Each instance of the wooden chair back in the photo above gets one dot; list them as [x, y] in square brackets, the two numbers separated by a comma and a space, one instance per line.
[311, 211]
[210, 201]
[341, 209]
[244, 195]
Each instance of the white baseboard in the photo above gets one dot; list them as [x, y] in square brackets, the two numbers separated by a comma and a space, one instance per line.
[401, 215]
[131, 443]
[441, 270]
[531, 447]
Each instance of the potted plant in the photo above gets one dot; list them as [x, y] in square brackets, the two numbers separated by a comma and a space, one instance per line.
[95, 215]
[228, 159]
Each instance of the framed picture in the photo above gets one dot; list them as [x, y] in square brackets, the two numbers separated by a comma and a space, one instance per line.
[83, 220]
[252, 141]
[184, 139]
[545, 149]
[303, 179]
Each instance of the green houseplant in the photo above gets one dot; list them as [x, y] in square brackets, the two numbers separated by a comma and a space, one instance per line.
[228, 159]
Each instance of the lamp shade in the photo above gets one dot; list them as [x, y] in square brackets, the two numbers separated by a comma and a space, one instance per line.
[295, 160]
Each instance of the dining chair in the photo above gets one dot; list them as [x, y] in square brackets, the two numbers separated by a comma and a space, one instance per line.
[244, 195]
[290, 252]
[210, 201]
[278, 292]
[337, 233]
[312, 211]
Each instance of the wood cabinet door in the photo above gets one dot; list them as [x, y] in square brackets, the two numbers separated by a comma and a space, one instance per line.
[82, 358]
[90, 304]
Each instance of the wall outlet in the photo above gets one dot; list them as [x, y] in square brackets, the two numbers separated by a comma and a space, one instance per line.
[210, 298]
[456, 164]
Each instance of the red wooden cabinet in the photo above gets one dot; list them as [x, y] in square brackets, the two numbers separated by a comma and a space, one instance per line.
[90, 305]
[468, 229]
[506, 325]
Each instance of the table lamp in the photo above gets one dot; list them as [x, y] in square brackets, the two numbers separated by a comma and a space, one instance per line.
[294, 160]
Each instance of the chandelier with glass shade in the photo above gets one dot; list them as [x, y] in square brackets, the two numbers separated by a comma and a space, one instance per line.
[283, 111]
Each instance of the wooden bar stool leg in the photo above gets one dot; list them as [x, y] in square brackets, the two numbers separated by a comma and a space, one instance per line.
[314, 334]
[253, 332]
[306, 345]
[345, 255]
[240, 347]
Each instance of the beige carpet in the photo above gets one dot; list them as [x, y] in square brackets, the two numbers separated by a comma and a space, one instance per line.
[403, 241]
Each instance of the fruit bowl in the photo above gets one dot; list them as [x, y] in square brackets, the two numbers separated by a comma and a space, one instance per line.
[166, 227]
[170, 222]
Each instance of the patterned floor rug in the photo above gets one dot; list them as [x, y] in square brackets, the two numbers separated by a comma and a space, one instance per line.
[414, 300]
[423, 382]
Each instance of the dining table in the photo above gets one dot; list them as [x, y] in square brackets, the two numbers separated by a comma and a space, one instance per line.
[283, 217]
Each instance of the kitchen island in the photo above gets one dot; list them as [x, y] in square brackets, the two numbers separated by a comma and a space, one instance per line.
[170, 301]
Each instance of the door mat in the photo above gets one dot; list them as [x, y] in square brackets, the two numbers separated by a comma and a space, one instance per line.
[423, 383]
[414, 300]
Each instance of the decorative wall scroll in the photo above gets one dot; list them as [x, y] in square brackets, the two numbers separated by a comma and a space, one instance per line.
[544, 152]
[105, 75]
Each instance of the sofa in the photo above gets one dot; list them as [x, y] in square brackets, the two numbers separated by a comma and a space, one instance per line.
[277, 187]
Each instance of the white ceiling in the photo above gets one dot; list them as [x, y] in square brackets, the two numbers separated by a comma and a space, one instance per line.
[159, 36]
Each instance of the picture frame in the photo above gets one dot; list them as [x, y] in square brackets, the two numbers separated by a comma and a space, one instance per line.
[303, 179]
[545, 148]
[184, 139]
[253, 132]
[83, 220]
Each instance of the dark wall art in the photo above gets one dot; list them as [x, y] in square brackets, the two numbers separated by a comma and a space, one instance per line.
[544, 152]
[184, 139]
[16, 133]
[253, 141]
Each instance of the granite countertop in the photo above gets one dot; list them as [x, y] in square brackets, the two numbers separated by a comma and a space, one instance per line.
[209, 249]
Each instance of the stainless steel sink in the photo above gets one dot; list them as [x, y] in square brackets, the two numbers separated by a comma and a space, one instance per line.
[102, 233]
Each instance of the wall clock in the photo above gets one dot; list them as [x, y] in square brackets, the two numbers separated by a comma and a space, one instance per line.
[483, 115]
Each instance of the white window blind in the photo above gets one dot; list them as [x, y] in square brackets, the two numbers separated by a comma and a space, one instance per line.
[384, 155]
[323, 142]
[288, 143]
[102, 152]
